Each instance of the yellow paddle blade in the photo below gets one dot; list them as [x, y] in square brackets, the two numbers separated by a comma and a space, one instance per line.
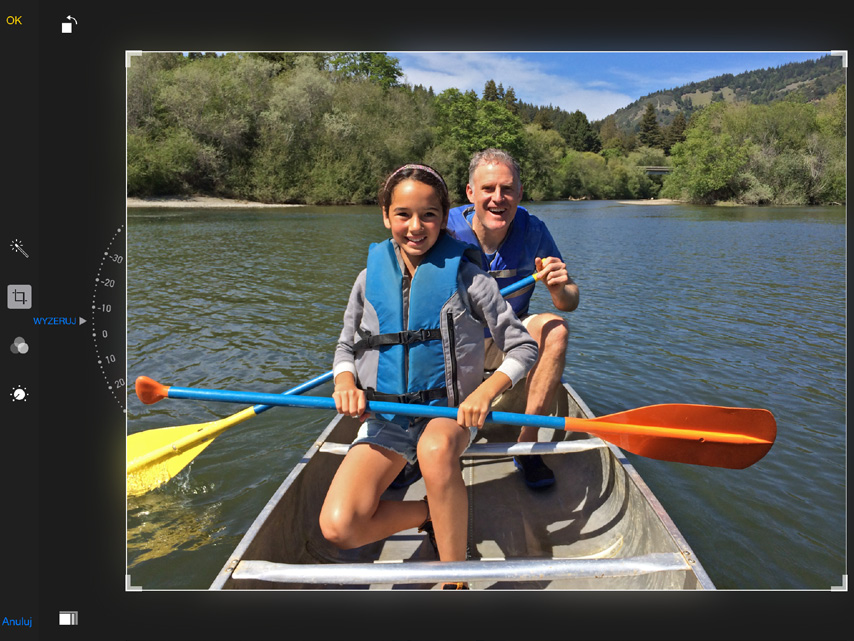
[155, 456]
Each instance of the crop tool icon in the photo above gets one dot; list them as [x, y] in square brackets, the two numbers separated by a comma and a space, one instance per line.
[19, 296]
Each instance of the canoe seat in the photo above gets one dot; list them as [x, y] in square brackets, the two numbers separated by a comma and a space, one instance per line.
[502, 449]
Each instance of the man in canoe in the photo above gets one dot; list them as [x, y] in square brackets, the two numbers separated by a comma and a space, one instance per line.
[515, 244]
[413, 333]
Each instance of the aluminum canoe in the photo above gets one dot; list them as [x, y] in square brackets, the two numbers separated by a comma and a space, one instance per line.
[599, 527]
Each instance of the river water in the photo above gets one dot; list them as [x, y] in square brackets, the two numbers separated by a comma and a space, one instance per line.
[679, 304]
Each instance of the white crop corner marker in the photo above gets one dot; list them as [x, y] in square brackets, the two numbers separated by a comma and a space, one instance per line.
[128, 55]
[844, 55]
[841, 588]
[128, 585]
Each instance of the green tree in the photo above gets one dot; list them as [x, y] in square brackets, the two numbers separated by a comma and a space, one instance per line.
[649, 133]
[541, 163]
[543, 120]
[465, 125]
[674, 132]
[289, 129]
[578, 133]
[146, 77]
[217, 100]
[706, 166]
[510, 101]
[497, 127]
[611, 137]
[490, 91]
[367, 132]
[586, 176]
[172, 163]
[372, 65]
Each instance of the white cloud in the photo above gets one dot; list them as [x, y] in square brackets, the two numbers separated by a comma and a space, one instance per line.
[530, 81]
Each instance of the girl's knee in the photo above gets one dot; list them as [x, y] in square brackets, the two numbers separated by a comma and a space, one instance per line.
[439, 453]
[337, 527]
[436, 447]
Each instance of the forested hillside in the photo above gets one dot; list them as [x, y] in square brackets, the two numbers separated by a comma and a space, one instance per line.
[325, 128]
[807, 81]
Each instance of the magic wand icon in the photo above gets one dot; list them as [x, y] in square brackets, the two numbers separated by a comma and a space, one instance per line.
[16, 245]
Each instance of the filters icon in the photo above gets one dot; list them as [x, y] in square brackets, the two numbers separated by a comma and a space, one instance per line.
[19, 346]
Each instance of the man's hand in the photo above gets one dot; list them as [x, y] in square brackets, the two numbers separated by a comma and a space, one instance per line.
[552, 272]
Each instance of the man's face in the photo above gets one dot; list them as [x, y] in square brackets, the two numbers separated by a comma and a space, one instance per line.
[495, 194]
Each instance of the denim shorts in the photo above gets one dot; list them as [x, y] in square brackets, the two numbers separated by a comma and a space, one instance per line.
[400, 434]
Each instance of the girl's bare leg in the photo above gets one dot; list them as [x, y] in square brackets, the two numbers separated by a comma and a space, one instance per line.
[439, 450]
[352, 514]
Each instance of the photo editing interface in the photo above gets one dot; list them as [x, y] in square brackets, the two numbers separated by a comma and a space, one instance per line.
[65, 375]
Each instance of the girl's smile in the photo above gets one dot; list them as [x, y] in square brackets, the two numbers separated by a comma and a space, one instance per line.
[415, 218]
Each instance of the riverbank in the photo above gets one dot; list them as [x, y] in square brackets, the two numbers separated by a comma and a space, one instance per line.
[209, 202]
[652, 201]
[197, 202]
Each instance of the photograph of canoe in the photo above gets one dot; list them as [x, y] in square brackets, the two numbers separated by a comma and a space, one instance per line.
[698, 436]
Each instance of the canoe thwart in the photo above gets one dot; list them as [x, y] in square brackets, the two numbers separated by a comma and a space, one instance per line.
[480, 450]
[437, 571]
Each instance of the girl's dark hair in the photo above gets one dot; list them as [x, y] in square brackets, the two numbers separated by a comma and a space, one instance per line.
[421, 173]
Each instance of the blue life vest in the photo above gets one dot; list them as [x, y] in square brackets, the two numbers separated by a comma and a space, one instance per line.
[514, 259]
[413, 355]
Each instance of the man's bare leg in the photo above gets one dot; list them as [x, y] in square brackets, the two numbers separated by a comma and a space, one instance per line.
[552, 335]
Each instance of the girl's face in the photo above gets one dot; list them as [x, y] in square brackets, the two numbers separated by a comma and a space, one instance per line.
[415, 218]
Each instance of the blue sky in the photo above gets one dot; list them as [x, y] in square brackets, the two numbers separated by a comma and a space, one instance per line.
[596, 83]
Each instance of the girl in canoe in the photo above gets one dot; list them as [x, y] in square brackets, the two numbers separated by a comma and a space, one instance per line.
[413, 332]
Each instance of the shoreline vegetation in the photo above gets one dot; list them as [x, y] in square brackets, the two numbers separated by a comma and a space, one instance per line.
[326, 128]
[209, 202]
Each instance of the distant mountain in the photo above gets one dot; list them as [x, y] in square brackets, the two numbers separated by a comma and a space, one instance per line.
[812, 79]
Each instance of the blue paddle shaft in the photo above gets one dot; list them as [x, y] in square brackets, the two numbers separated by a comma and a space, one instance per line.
[380, 407]
[299, 389]
[519, 284]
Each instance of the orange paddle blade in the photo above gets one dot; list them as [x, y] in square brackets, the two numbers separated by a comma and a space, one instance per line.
[729, 437]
